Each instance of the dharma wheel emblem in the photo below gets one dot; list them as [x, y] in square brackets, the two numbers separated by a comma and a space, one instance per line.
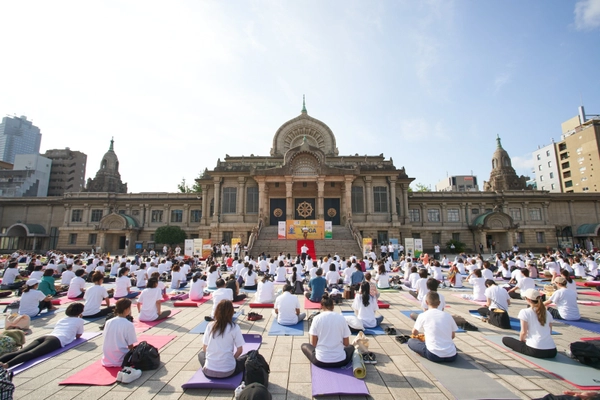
[332, 212]
[278, 212]
[304, 209]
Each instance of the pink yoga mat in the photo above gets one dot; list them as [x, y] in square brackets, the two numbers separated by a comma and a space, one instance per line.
[64, 300]
[588, 303]
[588, 283]
[382, 304]
[597, 294]
[481, 303]
[309, 305]
[144, 326]
[99, 375]
[192, 303]
[590, 338]
[263, 305]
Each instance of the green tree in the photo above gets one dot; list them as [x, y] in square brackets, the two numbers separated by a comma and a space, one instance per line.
[419, 187]
[170, 235]
[459, 247]
[183, 187]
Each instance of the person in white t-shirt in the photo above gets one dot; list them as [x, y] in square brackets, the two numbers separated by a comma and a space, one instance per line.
[222, 293]
[177, 278]
[211, 277]
[249, 278]
[198, 286]
[329, 337]
[119, 335]
[565, 300]
[223, 343]
[67, 276]
[94, 296]
[287, 307]
[332, 276]
[365, 306]
[123, 285]
[439, 328]
[77, 285]
[498, 301]
[420, 285]
[33, 301]
[535, 338]
[522, 285]
[66, 331]
[478, 283]
[280, 272]
[141, 277]
[382, 278]
[150, 301]
[265, 292]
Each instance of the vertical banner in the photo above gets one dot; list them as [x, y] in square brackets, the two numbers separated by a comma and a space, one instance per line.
[418, 247]
[197, 247]
[409, 247]
[281, 230]
[394, 243]
[206, 248]
[367, 246]
[235, 241]
[188, 248]
[328, 230]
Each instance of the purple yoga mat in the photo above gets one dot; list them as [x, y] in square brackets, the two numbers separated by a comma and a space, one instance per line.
[200, 381]
[336, 381]
[26, 365]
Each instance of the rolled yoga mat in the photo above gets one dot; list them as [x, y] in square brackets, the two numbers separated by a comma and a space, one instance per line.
[358, 365]
[336, 381]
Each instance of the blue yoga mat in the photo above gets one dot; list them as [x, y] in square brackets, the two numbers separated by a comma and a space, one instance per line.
[407, 313]
[378, 330]
[515, 323]
[286, 330]
[583, 324]
[201, 327]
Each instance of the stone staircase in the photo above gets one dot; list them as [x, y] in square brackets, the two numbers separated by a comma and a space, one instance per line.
[342, 243]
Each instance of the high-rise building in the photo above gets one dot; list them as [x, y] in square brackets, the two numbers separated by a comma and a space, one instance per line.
[547, 175]
[18, 136]
[458, 183]
[28, 178]
[68, 171]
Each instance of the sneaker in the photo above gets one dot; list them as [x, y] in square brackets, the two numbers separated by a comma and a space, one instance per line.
[373, 358]
[366, 358]
[130, 374]
[208, 318]
[120, 376]
[390, 331]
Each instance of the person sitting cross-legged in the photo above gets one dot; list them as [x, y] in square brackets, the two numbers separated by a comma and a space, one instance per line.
[287, 307]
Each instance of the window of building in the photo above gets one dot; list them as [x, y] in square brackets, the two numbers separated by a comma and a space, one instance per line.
[568, 183]
[76, 215]
[453, 215]
[157, 215]
[416, 235]
[549, 163]
[72, 238]
[488, 210]
[539, 157]
[358, 201]
[96, 215]
[565, 165]
[436, 238]
[332, 184]
[380, 199]
[541, 177]
[583, 178]
[433, 215]
[456, 236]
[567, 174]
[515, 214]
[553, 186]
[519, 238]
[461, 188]
[539, 167]
[276, 184]
[564, 156]
[414, 215]
[535, 214]
[92, 238]
[252, 200]
[547, 153]
[581, 159]
[229, 200]
[176, 216]
[540, 237]
[195, 215]
[551, 175]
[475, 211]
[562, 146]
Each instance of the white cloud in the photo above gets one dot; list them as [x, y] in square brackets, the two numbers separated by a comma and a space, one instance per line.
[501, 80]
[420, 130]
[587, 14]
[523, 164]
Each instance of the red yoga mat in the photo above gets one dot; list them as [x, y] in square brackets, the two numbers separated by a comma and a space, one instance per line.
[99, 375]
[311, 247]
[64, 300]
[309, 305]
[588, 283]
[589, 293]
[192, 303]
[261, 305]
[381, 304]
[144, 326]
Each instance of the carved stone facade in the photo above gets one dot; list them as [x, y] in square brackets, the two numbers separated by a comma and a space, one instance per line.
[503, 175]
[108, 178]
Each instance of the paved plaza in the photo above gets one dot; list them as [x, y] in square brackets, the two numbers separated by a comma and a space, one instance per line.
[398, 374]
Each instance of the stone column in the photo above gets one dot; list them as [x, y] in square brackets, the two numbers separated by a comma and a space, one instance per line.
[545, 212]
[186, 215]
[444, 212]
[369, 197]
[205, 210]
[465, 214]
[217, 200]
[67, 215]
[240, 198]
[261, 197]
[393, 198]
[289, 206]
[148, 214]
[424, 219]
[525, 212]
[86, 214]
[348, 196]
[405, 201]
[321, 193]
[166, 214]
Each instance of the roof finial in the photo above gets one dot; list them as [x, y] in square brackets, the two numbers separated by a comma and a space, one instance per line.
[498, 141]
[303, 105]
[112, 140]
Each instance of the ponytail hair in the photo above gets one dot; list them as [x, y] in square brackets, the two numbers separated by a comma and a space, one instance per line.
[365, 293]
[294, 271]
[540, 310]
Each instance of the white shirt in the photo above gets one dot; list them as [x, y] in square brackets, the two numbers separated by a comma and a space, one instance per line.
[421, 288]
[286, 306]
[220, 348]
[76, 286]
[220, 295]
[9, 275]
[30, 302]
[458, 281]
[538, 336]
[66, 330]
[441, 307]
[331, 329]
[177, 278]
[437, 273]
[438, 327]
[499, 297]
[478, 288]
[121, 285]
[525, 283]
[93, 299]
[249, 280]
[566, 303]
[140, 277]
[281, 273]
[66, 277]
[118, 334]
[332, 277]
[265, 292]
[148, 299]
[413, 278]
[197, 290]
[366, 314]
[211, 279]
[383, 281]
[263, 265]
[487, 273]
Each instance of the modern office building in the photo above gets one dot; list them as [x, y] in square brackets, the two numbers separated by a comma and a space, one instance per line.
[458, 183]
[547, 175]
[28, 178]
[18, 136]
[68, 171]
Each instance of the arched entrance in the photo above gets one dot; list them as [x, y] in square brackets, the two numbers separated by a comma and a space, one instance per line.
[20, 236]
[117, 233]
[495, 230]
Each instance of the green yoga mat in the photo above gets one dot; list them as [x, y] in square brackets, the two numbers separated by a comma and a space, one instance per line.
[575, 373]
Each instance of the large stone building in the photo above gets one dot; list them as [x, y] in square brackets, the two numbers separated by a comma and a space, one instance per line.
[304, 177]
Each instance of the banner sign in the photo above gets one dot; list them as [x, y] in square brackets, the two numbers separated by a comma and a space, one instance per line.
[409, 247]
[188, 248]
[281, 230]
[197, 247]
[367, 246]
[328, 230]
[310, 229]
[418, 247]
[206, 248]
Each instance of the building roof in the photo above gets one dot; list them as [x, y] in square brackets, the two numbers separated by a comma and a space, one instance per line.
[587, 230]
[481, 219]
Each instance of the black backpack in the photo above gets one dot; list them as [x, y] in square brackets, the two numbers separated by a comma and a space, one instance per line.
[311, 317]
[256, 369]
[587, 352]
[144, 356]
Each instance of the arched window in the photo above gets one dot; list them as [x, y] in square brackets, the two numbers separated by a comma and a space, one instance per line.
[103, 165]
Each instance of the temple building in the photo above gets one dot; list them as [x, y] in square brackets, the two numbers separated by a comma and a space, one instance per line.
[503, 175]
[108, 178]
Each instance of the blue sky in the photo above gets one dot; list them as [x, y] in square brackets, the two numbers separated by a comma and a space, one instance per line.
[182, 83]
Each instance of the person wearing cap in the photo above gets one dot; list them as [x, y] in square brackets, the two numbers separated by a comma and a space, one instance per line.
[565, 300]
[34, 301]
[287, 307]
[535, 338]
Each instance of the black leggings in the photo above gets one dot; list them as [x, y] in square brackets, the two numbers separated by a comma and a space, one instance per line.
[37, 348]
[309, 352]
[102, 313]
[521, 347]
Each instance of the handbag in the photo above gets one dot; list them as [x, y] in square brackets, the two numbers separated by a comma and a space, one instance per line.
[499, 318]
[15, 320]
